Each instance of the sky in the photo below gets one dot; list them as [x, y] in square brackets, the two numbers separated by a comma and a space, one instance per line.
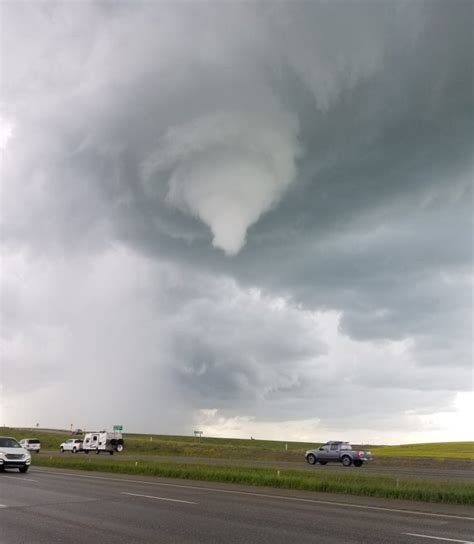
[244, 218]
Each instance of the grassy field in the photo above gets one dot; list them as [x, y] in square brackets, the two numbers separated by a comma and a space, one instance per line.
[233, 448]
[453, 450]
[354, 483]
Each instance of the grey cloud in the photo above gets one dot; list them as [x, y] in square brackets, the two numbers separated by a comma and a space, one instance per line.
[243, 346]
[351, 127]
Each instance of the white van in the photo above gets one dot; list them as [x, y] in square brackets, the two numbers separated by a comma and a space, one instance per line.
[31, 444]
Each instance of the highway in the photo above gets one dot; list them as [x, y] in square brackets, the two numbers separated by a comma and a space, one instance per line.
[456, 470]
[45, 506]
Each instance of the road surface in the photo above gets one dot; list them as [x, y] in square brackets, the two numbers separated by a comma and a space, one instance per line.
[455, 471]
[51, 505]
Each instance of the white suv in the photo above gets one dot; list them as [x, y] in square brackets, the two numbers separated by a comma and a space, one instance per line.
[73, 444]
[12, 455]
[31, 444]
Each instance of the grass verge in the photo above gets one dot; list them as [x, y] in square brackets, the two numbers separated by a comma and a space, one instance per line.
[257, 450]
[359, 483]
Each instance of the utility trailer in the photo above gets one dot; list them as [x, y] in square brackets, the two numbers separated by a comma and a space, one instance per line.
[110, 442]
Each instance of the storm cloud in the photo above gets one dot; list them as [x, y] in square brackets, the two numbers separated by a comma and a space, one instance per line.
[248, 217]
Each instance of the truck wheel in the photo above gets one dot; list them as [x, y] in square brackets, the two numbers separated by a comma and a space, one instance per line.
[74, 450]
[97, 452]
[86, 451]
[346, 461]
[311, 459]
[111, 452]
[23, 469]
[119, 447]
[358, 463]
[61, 449]
[323, 462]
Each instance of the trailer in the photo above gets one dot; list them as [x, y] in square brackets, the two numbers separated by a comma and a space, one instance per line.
[110, 442]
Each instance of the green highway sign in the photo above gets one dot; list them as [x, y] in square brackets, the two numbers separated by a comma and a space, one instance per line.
[118, 427]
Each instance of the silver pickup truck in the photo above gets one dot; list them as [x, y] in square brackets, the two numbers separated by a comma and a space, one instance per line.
[340, 452]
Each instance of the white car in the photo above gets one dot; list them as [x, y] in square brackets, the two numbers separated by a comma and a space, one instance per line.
[12, 455]
[73, 444]
[31, 444]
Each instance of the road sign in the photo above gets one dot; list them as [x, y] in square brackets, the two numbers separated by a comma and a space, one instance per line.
[118, 427]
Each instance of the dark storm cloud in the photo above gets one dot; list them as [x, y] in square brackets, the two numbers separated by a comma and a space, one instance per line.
[319, 153]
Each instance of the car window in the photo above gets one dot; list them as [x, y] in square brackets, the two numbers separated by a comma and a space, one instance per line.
[8, 443]
[334, 447]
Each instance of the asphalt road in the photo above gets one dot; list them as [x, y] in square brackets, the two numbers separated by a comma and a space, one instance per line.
[455, 471]
[45, 506]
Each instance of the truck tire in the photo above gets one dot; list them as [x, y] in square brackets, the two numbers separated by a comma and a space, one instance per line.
[323, 462]
[358, 463]
[311, 459]
[346, 461]
[74, 450]
[61, 449]
[97, 451]
[23, 469]
[111, 452]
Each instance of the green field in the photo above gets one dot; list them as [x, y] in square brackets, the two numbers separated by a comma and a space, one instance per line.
[446, 450]
[234, 448]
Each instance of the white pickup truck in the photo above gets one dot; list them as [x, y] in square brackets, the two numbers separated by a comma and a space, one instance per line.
[73, 445]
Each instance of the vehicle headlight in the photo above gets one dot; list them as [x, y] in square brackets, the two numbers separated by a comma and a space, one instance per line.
[2, 455]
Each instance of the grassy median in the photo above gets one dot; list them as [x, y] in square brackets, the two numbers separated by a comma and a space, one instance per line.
[353, 483]
[257, 450]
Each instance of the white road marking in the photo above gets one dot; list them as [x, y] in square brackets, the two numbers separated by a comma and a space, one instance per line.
[157, 498]
[440, 538]
[3, 506]
[21, 479]
[263, 495]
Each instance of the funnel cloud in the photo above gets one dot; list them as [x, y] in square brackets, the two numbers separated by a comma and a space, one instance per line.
[227, 170]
